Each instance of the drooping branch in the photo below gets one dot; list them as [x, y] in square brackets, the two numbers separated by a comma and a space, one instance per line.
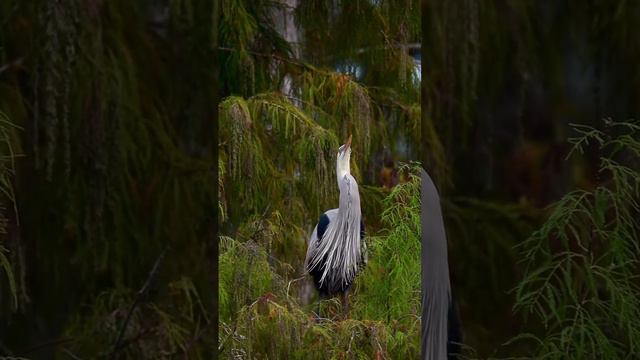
[140, 295]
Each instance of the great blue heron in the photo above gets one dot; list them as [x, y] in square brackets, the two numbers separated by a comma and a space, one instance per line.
[440, 328]
[336, 251]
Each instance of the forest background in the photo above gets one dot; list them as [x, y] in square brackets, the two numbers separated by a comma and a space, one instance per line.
[114, 182]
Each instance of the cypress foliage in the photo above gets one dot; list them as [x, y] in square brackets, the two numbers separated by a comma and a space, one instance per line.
[263, 314]
[582, 265]
[289, 107]
[113, 165]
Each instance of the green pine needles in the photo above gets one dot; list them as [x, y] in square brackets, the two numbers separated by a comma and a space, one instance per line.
[581, 281]
[176, 325]
[390, 285]
[288, 109]
[261, 312]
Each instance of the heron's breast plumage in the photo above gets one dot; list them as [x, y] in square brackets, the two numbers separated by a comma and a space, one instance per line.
[330, 288]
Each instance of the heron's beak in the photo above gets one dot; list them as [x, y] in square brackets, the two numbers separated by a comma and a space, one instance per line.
[348, 143]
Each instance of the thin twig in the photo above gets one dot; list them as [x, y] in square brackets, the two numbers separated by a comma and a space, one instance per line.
[68, 352]
[406, 46]
[52, 343]
[136, 338]
[5, 349]
[141, 293]
[302, 64]
[198, 335]
[292, 281]
[230, 333]
[14, 63]
[273, 56]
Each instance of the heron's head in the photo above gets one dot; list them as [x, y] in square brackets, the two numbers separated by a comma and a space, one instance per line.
[344, 156]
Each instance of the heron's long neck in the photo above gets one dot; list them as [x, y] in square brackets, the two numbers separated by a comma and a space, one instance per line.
[340, 251]
[342, 168]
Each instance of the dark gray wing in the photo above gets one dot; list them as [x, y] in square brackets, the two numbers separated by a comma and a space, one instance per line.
[436, 288]
[318, 232]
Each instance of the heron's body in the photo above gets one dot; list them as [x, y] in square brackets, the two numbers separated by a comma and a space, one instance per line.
[336, 250]
[325, 289]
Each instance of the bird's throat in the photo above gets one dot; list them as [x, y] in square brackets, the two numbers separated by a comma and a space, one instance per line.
[343, 168]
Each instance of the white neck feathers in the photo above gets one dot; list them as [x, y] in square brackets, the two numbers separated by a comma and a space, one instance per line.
[342, 166]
